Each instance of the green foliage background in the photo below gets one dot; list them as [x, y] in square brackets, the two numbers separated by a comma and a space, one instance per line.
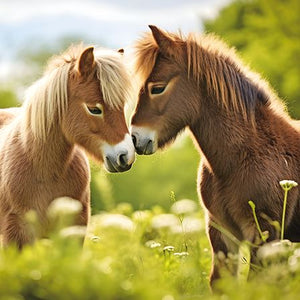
[267, 35]
[8, 98]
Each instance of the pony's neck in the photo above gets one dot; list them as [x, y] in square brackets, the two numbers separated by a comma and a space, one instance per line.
[222, 135]
[49, 157]
[41, 133]
[229, 100]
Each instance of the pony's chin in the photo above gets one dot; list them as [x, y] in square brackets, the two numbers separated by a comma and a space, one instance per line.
[115, 169]
[148, 150]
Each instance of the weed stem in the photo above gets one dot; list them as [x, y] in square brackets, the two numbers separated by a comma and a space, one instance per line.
[263, 237]
[283, 213]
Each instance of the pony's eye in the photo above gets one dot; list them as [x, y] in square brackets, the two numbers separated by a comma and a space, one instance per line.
[95, 110]
[155, 90]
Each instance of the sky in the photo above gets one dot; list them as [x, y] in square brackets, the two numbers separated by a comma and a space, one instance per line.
[111, 23]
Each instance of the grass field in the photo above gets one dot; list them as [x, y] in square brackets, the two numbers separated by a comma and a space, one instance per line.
[137, 255]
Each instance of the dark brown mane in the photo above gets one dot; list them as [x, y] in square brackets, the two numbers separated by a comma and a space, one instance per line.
[227, 79]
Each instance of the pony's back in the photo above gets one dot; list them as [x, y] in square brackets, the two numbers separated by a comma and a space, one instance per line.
[8, 114]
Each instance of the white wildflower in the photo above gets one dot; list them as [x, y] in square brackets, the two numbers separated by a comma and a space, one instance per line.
[115, 221]
[274, 250]
[73, 231]
[184, 206]
[64, 206]
[189, 225]
[288, 184]
[181, 254]
[165, 221]
[169, 248]
[152, 244]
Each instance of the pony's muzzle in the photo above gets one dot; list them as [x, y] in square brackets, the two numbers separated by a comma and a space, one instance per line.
[144, 139]
[119, 163]
[143, 146]
[119, 157]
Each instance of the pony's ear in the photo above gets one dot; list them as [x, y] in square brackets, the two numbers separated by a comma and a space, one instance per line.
[86, 62]
[121, 50]
[165, 44]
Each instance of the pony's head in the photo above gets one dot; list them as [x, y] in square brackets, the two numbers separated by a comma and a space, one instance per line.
[84, 93]
[179, 76]
[162, 110]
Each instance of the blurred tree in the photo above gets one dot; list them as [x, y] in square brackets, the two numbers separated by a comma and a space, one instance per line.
[267, 34]
[36, 56]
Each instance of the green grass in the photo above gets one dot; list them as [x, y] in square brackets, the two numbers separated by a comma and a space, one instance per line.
[139, 255]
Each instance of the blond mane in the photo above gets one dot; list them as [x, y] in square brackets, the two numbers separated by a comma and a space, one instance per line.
[46, 100]
[227, 79]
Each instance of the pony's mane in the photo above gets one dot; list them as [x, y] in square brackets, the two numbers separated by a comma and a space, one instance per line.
[227, 79]
[47, 98]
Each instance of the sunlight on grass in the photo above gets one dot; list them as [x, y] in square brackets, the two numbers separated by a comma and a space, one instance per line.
[146, 254]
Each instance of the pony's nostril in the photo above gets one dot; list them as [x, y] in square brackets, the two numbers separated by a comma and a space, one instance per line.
[123, 160]
[149, 147]
[133, 139]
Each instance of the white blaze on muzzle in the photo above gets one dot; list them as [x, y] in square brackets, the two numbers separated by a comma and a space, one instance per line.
[119, 157]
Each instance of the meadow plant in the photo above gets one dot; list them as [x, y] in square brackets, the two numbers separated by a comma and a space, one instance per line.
[286, 186]
[140, 256]
[62, 213]
[263, 235]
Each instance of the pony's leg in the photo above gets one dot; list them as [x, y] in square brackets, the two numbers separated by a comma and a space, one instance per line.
[250, 233]
[84, 216]
[16, 231]
[218, 248]
[292, 233]
[218, 245]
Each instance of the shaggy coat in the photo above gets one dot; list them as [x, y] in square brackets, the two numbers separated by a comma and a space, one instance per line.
[247, 141]
[77, 105]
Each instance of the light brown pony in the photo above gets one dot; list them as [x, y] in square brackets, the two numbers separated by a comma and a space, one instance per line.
[247, 141]
[77, 105]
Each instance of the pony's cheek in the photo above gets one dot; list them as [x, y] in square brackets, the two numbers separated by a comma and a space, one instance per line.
[95, 127]
[160, 105]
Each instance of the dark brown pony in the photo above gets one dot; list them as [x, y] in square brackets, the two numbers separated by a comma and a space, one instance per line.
[247, 141]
